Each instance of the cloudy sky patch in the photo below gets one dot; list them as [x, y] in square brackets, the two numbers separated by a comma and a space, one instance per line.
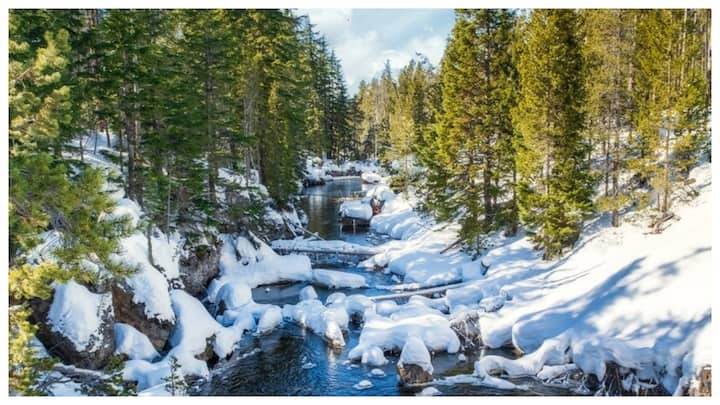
[364, 38]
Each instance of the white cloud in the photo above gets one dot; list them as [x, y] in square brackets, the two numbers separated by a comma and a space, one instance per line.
[332, 22]
[363, 44]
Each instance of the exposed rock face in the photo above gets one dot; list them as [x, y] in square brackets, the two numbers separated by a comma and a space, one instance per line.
[414, 366]
[209, 356]
[413, 374]
[701, 385]
[621, 381]
[126, 311]
[200, 267]
[467, 327]
[99, 348]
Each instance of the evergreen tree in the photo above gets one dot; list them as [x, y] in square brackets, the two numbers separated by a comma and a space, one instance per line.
[555, 185]
[609, 81]
[477, 79]
[175, 383]
[671, 97]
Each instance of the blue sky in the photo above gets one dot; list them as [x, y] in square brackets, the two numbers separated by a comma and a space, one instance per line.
[364, 38]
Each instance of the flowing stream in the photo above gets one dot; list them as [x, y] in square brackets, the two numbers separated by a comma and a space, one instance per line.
[293, 361]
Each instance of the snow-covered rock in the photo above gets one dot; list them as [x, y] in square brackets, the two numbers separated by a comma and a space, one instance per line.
[371, 178]
[357, 209]
[148, 286]
[374, 357]
[199, 267]
[429, 392]
[79, 326]
[363, 385]
[328, 322]
[233, 294]
[335, 298]
[377, 372]
[271, 319]
[415, 352]
[135, 345]
[338, 279]
[133, 313]
[308, 293]
[388, 334]
[241, 261]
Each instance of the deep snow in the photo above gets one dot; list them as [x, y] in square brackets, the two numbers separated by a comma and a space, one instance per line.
[606, 300]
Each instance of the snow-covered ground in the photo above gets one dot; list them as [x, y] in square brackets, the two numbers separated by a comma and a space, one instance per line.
[621, 295]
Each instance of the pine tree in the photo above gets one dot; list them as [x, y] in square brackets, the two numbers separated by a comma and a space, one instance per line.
[477, 78]
[64, 196]
[175, 383]
[554, 186]
[609, 82]
[671, 97]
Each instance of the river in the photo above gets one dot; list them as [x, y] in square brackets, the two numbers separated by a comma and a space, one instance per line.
[293, 361]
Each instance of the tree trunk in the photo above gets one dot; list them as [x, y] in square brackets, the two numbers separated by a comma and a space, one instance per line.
[616, 191]
[212, 169]
[606, 151]
[666, 185]
[514, 208]
[148, 235]
[487, 195]
[167, 208]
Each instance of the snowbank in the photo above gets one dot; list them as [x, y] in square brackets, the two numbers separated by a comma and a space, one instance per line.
[77, 314]
[607, 300]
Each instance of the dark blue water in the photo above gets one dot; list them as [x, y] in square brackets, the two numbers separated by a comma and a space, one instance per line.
[294, 361]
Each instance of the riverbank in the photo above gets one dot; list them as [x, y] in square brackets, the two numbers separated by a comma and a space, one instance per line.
[605, 302]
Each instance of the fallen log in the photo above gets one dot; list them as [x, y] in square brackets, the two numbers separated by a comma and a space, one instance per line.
[425, 292]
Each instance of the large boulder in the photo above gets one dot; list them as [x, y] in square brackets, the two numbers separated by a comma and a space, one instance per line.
[414, 366]
[467, 327]
[411, 374]
[200, 267]
[76, 325]
[701, 383]
[126, 311]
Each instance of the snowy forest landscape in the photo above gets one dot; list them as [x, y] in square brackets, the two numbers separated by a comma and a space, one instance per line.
[201, 202]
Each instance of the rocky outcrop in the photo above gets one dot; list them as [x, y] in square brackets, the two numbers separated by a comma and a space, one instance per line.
[133, 314]
[200, 267]
[701, 384]
[411, 374]
[414, 366]
[92, 354]
[621, 381]
[467, 328]
[208, 355]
